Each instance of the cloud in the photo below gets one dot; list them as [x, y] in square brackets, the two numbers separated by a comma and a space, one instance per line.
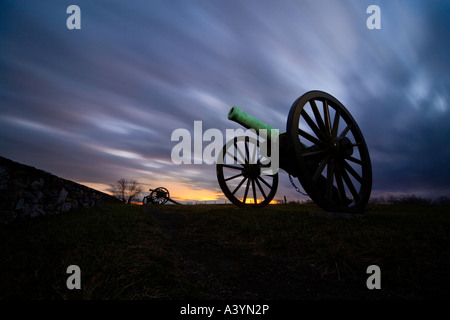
[100, 103]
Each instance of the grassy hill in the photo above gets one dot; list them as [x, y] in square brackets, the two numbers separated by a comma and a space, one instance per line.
[222, 252]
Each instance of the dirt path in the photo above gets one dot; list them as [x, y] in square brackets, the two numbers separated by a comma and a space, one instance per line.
[232, 274]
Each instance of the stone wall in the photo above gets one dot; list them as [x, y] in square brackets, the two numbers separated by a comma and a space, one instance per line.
[29, 192]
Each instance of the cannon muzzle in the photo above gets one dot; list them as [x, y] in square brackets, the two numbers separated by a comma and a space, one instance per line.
[249, 122]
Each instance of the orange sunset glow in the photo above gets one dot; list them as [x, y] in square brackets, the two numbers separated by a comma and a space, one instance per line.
[178, 191]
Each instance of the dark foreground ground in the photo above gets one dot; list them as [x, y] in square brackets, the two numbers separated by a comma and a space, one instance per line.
[219, 252]
[227, 272]
[277, 260]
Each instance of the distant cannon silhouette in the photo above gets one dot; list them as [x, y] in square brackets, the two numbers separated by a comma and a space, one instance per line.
[323, 147]
[159, 195]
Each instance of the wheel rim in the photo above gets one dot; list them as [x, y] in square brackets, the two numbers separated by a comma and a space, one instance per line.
[240, 175]
[333, 160]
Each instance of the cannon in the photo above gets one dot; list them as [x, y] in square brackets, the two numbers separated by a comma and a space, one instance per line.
[322, 147]
[159, 195]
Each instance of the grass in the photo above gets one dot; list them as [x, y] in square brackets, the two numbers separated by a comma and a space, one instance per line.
[123, 255]
[118, 249]
[410, 243]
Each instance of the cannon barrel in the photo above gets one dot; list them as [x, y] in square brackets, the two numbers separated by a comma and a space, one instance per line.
[247, 121]
[287, 161]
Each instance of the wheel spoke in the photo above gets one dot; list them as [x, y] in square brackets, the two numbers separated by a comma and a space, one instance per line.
[313, 153]
[232, 167]
[310, 137]
[238, 150]
[247, 157]
[261, 188]
[233, 156]
[320, 168]
[352, 172]
[326, 112]
[340, 184]
[345, 131]
[238, 186]
[246, 191]
[312, 125]
[254, 191]
[336, 123]
[357, 161]
[253, 159]
[233, 177]
[265, 182]
[317, 115]
[350, 185]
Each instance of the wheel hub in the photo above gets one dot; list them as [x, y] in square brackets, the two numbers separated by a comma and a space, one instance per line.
[251, 171]
[341, 147]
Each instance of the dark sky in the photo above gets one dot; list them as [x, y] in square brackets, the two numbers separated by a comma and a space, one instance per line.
[98, 104]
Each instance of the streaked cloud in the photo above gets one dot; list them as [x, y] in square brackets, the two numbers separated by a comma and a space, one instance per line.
[100, 103]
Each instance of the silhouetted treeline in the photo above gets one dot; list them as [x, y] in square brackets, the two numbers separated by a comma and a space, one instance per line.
[409, 199]
[388, 199]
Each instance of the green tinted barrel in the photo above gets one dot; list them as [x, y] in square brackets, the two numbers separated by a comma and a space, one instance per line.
[249, 122]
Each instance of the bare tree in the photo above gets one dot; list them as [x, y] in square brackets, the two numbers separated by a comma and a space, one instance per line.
[126, 190]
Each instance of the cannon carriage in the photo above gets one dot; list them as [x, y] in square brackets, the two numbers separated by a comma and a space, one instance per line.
[159, 195]
[322, 147]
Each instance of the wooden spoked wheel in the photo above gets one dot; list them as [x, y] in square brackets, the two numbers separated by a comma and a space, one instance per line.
[333, 161]
[243, 175]
[159, 196]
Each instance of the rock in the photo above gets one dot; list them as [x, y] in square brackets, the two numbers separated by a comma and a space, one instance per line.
[66, 206]
[62, 195]
[36, 186]
[29, 192]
